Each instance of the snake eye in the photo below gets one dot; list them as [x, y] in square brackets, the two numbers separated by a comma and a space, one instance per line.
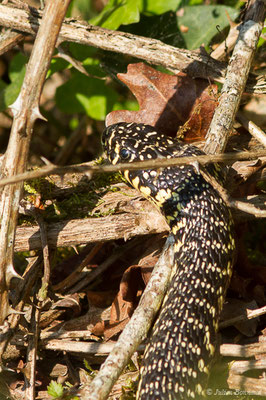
[125, 154]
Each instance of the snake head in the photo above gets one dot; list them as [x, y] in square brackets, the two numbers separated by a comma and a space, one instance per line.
[127, 142]
[118, 143]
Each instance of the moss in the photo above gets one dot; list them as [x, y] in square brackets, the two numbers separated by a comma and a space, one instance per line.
[75, 202]
[39, 186]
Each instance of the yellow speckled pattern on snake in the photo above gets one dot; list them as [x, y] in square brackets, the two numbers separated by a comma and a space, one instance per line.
[177, 360]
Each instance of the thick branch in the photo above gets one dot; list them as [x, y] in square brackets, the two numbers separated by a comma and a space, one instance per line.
[153, 51]
[135, 217]
[235, 81]
[26, 111]
[135, 331]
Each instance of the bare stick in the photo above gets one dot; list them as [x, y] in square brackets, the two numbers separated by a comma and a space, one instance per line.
[135, 331]
[240, 318]
[253, 129]
[238, 350]
[153, 51]
[32, 354]
[235, 80]
[89, 169]
[29, 276]
[10, 39]
[240, 205]
[26, 111]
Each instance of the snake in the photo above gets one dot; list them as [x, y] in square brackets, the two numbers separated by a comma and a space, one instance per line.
[178, 358]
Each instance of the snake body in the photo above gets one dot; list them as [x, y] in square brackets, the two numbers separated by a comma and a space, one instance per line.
[177, 360]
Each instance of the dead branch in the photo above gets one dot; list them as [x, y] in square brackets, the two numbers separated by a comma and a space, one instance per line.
[244, 385]
[89, 169]
[252, 128]
[9, 39]
[196, 64]
[238, 350]
[130, 216]
[135, 331]
[240, 318]
[25, 111]
[235, 80]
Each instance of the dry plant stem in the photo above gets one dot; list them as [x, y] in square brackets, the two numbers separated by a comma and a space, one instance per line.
[153, 51]
[46, 262]
[25, 111]
[70, 145]
[253, 129]
[238, 350]
[240, 318]
[240, 205]
[237, 380]
[91, 277]
[68, 281]
[135, 331]
[10, 39]
[235, 80]
[89, 169]
[243, 384]
[32, 353]
[240, 367]
[221, 52]
[29, 278]
[81, 231]
[73, 346]
[103, 349]
[124, 225]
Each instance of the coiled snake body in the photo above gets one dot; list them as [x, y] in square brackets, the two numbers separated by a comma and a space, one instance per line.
[177, 360]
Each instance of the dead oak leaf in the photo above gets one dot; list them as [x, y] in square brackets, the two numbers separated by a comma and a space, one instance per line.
[168, 102]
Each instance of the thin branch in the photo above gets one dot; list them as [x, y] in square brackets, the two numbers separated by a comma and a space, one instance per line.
[9, 39]
[240, 318]
[238, 350]
[240, 205]
[235, 80]
[252, 128]
[196, 64]
[89, 169]
[135, 331]
[221, 52]
[24, 286]
[25, 111]
[32, 354]
[70, 279]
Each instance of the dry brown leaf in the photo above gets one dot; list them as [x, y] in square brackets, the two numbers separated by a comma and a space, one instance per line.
[168, 102]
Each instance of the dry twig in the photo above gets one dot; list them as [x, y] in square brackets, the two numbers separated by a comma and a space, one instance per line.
[236, 78]
[26, 111]
[153, 51]
[135, 331]
[253, 129]
[226, 158]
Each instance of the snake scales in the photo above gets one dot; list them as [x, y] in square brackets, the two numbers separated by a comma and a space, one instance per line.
[177, 360]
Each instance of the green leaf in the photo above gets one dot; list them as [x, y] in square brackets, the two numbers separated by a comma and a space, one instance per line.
[10, 92]
[158, 6]
[55, 389]
[262, 38]
[17, 64]
[81, 52]
[131, 105]
[57, 64]
[162, 27]
[116, 13]
[201, 22]
[91, 95]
